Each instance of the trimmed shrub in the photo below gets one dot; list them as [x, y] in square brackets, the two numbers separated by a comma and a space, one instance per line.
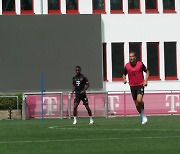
[9, 103]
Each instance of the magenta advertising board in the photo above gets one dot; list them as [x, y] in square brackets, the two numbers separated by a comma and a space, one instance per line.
[116, 104]
[51, 106]
[155, 103]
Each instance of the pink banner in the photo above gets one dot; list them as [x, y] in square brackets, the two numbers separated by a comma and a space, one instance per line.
[155, 103]
[51, 106]
[96, 103]
[118, 104]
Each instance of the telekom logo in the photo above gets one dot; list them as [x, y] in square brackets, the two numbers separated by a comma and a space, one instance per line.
[113, 105]
[78, 83]
[49, 104]
[172, 104]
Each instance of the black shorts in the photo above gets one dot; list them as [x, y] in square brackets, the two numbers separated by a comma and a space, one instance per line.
[135, 90]
[81, 97]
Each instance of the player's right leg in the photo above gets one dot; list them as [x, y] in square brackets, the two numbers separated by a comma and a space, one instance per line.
[140, 105]
[76, 103]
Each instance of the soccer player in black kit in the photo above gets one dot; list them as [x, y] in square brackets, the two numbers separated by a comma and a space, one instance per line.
[80, 85]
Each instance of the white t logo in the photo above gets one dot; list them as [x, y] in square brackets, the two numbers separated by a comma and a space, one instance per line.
[112, 103]
[172, 104]
[51, 104]
[77, 83]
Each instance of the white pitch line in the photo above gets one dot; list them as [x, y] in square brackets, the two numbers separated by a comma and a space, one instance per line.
[113, 129]
[93, 139]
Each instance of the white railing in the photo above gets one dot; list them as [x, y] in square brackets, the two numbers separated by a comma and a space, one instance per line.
[102, 103]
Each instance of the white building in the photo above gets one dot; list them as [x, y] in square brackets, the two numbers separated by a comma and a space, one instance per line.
[150, 27]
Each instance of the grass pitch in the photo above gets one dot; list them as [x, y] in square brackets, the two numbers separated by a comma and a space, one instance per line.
[120, 135]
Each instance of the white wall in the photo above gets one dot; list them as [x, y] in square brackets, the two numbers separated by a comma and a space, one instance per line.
[138, 27]
[0, 7]
[38, 6]
[152, 85]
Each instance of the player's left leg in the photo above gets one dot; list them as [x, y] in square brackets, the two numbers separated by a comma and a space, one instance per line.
[86, 104]
[137, 94]
[140, 103]
[141, 108]
[134, 96]
[89, 113]
[88, 109]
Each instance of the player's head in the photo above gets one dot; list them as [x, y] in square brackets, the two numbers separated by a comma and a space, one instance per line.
[132, 57]
[78, 69]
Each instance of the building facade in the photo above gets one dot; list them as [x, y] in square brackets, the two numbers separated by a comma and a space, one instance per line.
[149, 27]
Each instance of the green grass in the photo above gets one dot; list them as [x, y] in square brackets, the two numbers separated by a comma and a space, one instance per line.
[121, 135]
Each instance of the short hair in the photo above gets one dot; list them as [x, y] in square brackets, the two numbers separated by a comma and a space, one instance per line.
[78, 67]
[133, 53]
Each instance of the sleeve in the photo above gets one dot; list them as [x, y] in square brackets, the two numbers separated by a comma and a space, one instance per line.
[144, 68]
[124, 71]
[86, 81]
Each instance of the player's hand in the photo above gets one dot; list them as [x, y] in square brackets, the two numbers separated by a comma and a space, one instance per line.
[124, 81]
[70, 95]
[145, 83]
[82, 92]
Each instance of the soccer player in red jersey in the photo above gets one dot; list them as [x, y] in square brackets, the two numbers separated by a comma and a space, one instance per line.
[80, 85]
[135, 70]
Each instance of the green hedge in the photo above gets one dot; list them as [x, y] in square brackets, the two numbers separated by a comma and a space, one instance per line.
[7, 103]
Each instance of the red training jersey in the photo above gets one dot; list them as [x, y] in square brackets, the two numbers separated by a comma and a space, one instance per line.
[135, 73]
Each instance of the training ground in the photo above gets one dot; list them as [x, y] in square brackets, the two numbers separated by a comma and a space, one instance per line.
[126, 135]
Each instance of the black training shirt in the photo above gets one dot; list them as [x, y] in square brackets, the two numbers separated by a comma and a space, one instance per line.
[79, 81]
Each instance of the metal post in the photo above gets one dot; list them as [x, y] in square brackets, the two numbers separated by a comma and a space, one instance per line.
[124, 103]
[17, 102]
[24, 107]
[69, 105]
[61, 105]
[106, 105]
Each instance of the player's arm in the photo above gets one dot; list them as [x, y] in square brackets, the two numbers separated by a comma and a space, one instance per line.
[86, 86]
[73, 87]
[124, 75]
[146, 76]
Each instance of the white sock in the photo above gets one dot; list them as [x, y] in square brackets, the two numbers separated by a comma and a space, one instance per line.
[75, 118]
[91, 118]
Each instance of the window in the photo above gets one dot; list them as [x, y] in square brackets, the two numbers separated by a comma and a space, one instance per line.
[168, 6]
[27, 7]
[134, 6]
[170, 60]
[151, 6]
[53, 6]
[117, 60]
[98, 6]
[8, 7]
[137, 48]
[116, 6]
[104, 62]
[153, 60]
[72, 6]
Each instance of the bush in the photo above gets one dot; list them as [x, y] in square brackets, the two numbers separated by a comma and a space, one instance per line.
[9, 103]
